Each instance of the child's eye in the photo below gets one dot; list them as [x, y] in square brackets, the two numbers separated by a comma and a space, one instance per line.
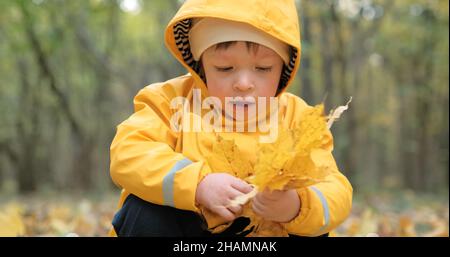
[224, 69]
[264, 69]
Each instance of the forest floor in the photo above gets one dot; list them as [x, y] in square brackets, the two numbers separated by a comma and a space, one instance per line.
[403, 213]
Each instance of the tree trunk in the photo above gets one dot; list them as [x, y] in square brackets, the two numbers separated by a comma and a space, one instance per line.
[305, 69]
[327, 57]
[28, 130]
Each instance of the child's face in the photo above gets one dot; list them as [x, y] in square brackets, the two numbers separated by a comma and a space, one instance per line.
[241, 71]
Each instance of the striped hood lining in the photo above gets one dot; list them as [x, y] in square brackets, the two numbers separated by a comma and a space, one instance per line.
[181, 35]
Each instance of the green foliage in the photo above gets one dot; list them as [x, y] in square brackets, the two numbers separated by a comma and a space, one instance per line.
[392, 57]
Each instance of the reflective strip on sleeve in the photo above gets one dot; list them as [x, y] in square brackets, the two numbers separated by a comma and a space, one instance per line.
[169, 180]
[326, 210]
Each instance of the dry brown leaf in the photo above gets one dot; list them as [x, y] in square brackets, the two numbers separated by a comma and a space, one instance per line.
[406, 227]
[335, 114]
[243, 199]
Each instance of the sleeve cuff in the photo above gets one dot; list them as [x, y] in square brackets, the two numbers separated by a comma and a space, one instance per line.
[294, 225]
[206, 170]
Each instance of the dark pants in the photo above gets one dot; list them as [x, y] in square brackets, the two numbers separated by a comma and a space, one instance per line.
[141, 218]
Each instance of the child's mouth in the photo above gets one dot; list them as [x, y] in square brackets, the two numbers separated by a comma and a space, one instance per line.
[240, 105]
[243, 102]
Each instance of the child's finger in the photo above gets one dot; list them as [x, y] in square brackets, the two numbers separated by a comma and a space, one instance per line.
[242, 186]
[232, 193]
[235, 209]
[225, 213]
[258, 208]
[264, 198]
[274, 195]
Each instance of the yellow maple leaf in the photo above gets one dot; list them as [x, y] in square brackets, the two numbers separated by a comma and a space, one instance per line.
[227, 158]
[287, 163]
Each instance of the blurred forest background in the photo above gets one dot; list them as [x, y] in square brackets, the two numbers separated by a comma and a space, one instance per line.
[70, 69]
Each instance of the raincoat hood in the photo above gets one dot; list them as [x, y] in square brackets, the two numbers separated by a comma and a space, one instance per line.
[277, 18]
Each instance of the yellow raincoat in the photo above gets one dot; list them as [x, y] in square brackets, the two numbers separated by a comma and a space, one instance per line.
[161, 166]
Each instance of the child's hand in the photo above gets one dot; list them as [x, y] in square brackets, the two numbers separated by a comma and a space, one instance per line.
[216, 191]
[278, 206]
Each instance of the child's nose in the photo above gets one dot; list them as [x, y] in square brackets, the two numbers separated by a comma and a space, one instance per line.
[243, 83]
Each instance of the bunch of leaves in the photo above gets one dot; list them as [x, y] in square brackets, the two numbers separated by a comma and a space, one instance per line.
[287, 163]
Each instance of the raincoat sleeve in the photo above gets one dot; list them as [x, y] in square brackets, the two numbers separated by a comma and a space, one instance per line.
[324, 205]
[143, 160]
